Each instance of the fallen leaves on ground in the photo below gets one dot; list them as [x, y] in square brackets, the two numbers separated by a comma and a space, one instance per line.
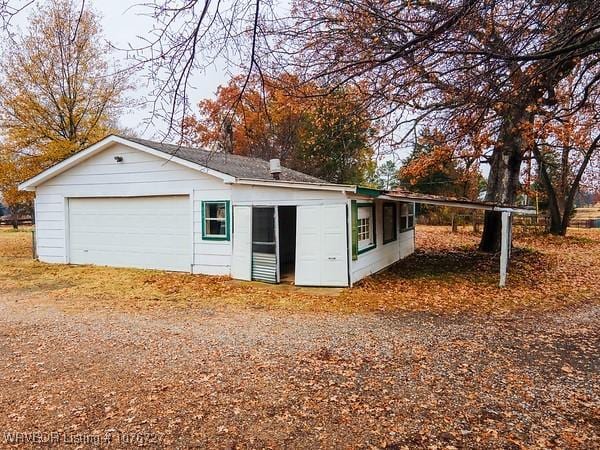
[414, 361]
[273, 379]
[446, 274]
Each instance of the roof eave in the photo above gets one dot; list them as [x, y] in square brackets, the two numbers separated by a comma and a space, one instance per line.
[460, 204]
[347, 188]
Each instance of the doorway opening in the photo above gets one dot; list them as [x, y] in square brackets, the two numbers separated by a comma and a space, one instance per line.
[287, 243]
[274, 244]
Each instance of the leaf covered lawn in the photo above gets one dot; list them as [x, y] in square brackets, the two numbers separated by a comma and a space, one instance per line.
[446, 274]
[411, 358]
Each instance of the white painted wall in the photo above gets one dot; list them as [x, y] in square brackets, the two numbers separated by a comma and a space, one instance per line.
[267, 196]
[139, 174]
[321, 253]
[383, 255]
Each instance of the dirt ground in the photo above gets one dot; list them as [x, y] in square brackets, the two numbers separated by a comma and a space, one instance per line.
[266, 376]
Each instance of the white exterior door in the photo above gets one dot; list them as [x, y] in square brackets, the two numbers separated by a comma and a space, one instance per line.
[321, 246]
[141, 232]
[241, 263]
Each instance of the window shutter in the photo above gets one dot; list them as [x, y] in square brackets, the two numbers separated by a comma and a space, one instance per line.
[354, 219]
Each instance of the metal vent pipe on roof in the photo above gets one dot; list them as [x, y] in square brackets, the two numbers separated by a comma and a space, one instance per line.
[275, 168]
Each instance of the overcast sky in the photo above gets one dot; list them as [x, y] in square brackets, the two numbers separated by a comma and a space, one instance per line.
[123, 23]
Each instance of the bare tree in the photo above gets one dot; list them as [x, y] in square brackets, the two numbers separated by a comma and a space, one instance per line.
[9, 9]
[190, 36]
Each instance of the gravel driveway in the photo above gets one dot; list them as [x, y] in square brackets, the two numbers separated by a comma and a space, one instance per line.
[256, 378]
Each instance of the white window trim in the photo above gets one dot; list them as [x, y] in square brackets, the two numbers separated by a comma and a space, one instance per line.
[404, 218]
[367, 211]
[206, 235]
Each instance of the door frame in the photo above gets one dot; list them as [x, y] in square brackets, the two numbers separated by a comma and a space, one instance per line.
[275, 234]
[235, 236]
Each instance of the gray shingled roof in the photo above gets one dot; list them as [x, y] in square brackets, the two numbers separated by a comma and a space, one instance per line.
[235, 165]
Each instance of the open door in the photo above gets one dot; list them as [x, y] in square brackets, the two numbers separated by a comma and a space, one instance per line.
[321, 246]
[264, 244]
[241, 262]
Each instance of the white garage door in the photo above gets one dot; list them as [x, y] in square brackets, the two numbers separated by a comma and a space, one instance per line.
[143, 232]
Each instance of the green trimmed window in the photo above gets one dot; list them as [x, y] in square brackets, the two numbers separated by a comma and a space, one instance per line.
[407, 216]
[389, 222]
[366, 227]
[215, 220]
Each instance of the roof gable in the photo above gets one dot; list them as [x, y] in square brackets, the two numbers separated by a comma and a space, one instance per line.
[225, 166]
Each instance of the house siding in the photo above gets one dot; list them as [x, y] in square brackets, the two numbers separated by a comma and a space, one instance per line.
[139, 174]
[382, 255]
[50, 227]
[248, 195]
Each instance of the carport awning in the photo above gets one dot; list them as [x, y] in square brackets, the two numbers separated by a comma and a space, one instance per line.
[429, 199]
[507, 212]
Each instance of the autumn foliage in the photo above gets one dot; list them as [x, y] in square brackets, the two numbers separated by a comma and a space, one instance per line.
[325, 134]
[437, 167]
[567, 155]
[58, 93]
[481, 71]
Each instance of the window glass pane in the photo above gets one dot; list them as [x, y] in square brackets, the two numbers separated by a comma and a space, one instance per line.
[364, 229]
[215, 227]
[407, 219]
[214, 210]
[263, 224]
[389, 223]
[215, 219]
[365, 225]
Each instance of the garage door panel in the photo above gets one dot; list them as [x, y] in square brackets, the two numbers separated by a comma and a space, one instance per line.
[142, 232]
[146, 242]
[131, 259]
[149, 220]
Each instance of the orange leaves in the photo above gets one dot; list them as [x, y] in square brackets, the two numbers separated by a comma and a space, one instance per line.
[326, 134]
[435, 166]
[448, 275]
[58, 93]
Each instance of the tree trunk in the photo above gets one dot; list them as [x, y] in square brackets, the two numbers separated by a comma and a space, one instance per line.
[556, 218]
[557, 225]
[566, 218]
[570, 200]
[475, 219]
[503, 179]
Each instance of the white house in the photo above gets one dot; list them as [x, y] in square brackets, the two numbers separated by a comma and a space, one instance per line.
[128, 202]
